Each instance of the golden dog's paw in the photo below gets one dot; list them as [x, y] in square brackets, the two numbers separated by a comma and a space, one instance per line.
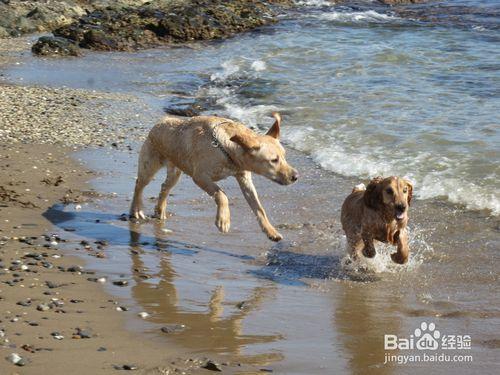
[369, 253]
[223, 224]
[398, 258]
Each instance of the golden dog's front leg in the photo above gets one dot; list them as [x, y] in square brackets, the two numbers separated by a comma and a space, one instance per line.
[369, 248]
[223, 218]
[250, 194]
[401, 256]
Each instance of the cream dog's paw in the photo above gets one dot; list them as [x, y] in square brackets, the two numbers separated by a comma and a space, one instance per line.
[273, 235]
[223, 223]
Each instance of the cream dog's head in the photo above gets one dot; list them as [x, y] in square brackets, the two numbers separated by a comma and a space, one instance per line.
[264, 154]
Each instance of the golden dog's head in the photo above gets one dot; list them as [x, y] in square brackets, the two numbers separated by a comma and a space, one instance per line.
[264, 154]
[392, 195]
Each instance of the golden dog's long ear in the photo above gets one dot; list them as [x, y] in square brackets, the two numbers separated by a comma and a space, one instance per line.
[372, 196]
[248, 143]
[274, 131]
[410, 190]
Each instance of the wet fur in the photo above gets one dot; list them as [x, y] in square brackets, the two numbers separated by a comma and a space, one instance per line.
[370, 214]
[185, 146]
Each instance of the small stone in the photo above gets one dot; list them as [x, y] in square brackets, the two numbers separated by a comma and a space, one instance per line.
[211, 365]
[84, 333]
[173, 328]
[143, 315]
[16, 359]
[43, 307]
[101, 349]
[25, 303]
[120, 282]
[74, 269]
[130, 367]
[57, 335]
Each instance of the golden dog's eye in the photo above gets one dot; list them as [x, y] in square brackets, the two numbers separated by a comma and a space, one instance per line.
[389, 191]
[405, 190]
[275, 160]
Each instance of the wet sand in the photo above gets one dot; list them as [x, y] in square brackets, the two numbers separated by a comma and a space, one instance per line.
[36, 272]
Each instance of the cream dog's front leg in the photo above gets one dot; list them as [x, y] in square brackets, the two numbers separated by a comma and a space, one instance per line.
[223, 218]
[245, 181]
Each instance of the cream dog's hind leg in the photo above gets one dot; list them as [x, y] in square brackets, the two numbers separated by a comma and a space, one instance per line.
[149, 164]
[173, 176]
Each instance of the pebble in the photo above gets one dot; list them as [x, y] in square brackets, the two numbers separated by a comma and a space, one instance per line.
[144, 315]
[120, 282]
[43, 307]
[173, 328]
[16, 359]
[211, 365]
[57, 335]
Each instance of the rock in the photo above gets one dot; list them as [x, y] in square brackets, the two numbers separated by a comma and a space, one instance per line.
[155, 23]
[16, 359]
[57, 335]
[43, 307]
[52, 285]
[211, 365]
[130, 367]
[83, 333]
[120, 282]
[25, 303]
[144, 315]
[101, 349]
[74, 269]
[173, 328]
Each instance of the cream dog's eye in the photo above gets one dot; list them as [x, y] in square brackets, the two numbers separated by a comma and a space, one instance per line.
[405, 190]
[389, 191]
[275, 160]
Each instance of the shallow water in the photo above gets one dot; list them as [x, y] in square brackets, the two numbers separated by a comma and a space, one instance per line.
[364, 91]
[295, 307]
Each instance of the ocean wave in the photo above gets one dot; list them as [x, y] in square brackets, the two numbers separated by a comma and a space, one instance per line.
[369, 16]
[428, 184]
[433, 175]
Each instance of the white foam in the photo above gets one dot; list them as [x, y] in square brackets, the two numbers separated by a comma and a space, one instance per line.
[369, 16]
[229, 68]
[258, 65]
[382, 262]
[315, 3]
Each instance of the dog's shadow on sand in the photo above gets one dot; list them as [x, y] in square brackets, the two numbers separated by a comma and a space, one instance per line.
[292, 268]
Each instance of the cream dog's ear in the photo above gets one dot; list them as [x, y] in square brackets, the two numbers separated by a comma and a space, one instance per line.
[248, 143]
[410, 190]
[274, 131]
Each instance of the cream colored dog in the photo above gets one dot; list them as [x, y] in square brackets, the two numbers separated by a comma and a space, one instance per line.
[209, 149]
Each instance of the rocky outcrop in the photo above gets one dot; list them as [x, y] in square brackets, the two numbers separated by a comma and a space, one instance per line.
[23, 17]
[156, 23]
[54, 46]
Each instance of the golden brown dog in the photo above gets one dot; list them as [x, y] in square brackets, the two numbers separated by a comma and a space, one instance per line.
[379, 212]
[209, 149]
